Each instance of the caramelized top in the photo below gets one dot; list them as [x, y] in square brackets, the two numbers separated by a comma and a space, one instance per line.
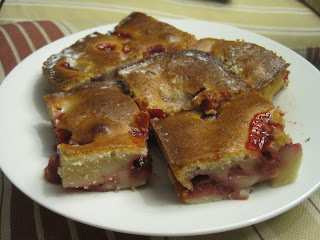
[83, 61]
[97, 55]
[256, 65]
[186, 138]
[170, 80]
[100, 115]
[147, 32]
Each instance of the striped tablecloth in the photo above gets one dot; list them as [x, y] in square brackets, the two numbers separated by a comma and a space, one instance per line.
[27, 25]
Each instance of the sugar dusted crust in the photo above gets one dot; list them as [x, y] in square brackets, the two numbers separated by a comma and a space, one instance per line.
[208, 101]
[214, 154]
[260, 68]
[147, 32]
[95, 141]
[92, 111]
[83, 62]
[97, 56]
[170, 80]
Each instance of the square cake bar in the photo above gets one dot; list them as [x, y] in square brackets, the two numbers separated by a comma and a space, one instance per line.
[97, 56]
[101, 139]
[224, 157]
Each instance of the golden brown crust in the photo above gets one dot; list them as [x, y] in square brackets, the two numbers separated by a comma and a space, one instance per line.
[100, 133]
[170, 80]
[83, 61]
[206, 98]
[95, 115]
[201, 140]
[260, 68]
[98, 55]
[146, 32]
[194, 146]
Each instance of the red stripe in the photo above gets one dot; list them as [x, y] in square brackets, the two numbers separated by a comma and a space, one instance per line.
[35, 35]
[314, 205]
[88, 232]
[22, 216]
[18, 40]
[54, 225]
[7, 57]
[257, 232]
[51, 29]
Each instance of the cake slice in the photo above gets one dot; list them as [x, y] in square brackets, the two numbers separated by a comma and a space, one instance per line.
[224, 157]
[101, 139]
[89, 59]
[97, 56]
[169, 82]
[260, 68]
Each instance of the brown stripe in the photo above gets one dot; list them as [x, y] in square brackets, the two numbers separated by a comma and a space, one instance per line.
[35, 35]
[8, 59]
[309, 54]
[1, 200]
[124, 236]
[2, 187]
[51, 29]
[54, 225]
[22, 216]
[316, 55]
[313, 56]
[88, 232]
[257, 232]
[314, 205]
[18, 40]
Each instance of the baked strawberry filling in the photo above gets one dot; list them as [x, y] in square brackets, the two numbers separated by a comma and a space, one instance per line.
[203, 187]
[142, 122]
[153, 50]
[137, 170]
[141, 168]
[121, 35]
[100, 140]
[212, 102]
[236, 181]
[261, 129]
[67, 65]
[51, 171]
[126, 49]
[63, 136]
[156, 113]
[267, 158]
[286, 77]
[153, 112]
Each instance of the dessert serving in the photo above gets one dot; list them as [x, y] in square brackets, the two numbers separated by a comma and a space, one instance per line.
[223, 158]
[101, 139]
[260, 68]
[98, 56]
[178, 80]
[207, 102]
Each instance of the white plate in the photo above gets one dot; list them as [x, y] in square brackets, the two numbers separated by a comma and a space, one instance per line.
[26, 144]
